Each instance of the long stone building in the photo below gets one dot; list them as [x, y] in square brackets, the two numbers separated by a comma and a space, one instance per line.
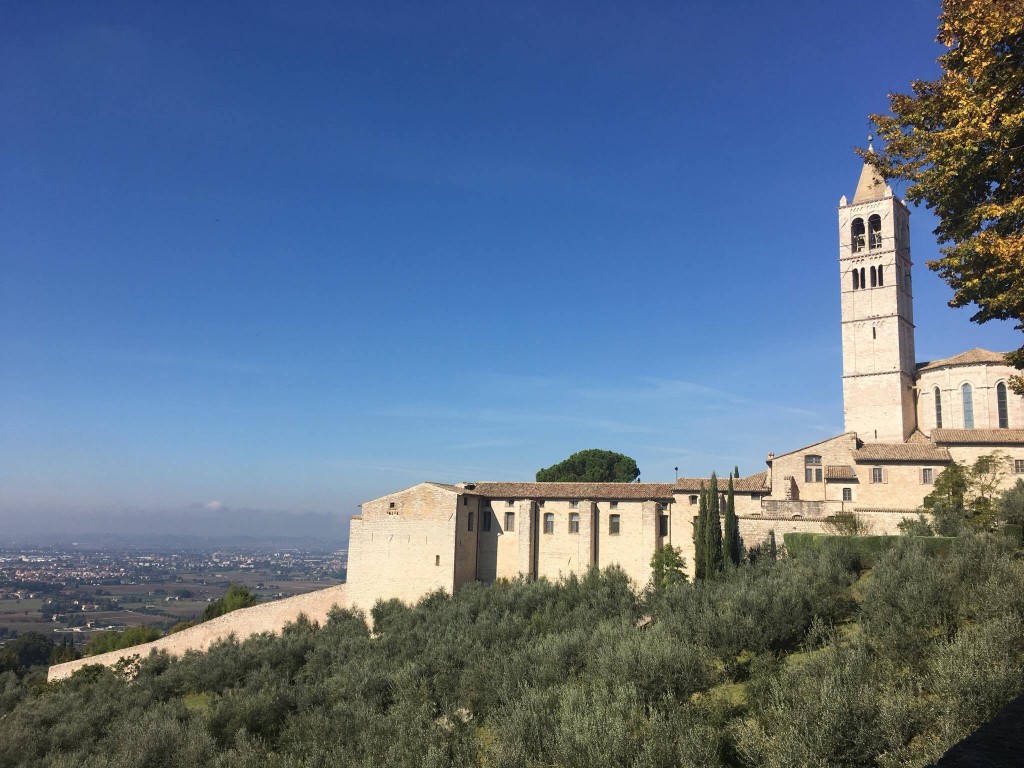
[905, 422]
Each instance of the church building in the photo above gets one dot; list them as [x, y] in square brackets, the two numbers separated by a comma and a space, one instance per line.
[905, 421]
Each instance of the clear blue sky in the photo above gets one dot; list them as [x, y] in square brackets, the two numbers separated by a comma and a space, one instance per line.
[291, 256]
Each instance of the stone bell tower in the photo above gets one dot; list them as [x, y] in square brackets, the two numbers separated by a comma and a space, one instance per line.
[877, 313]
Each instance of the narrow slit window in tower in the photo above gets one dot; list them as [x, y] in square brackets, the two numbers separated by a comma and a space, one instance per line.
[968, 406]
[856, 279]
[857, 235]
[874, 231]
[863, 281]
[938, 408]
[881, 280]
[1004, 416]
[874, 278]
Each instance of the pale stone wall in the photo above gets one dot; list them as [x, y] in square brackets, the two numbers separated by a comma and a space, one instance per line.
[836, 451]
[499, 547]
[407, 550]
[560, 552]
[983, 378]
[243, 623]
[902, 485]
[968, 454]
[634, 545]
[466, 553]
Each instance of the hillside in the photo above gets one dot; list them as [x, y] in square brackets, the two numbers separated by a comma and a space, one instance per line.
[801, 661]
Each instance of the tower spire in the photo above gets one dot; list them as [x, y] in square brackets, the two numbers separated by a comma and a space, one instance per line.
[871, 185]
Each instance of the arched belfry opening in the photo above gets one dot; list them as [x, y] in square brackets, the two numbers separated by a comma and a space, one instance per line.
[874, 231]
[857, 235]
[874, 278]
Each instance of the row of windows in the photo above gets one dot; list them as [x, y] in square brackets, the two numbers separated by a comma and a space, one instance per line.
[874, 233]
[573, 503]
[614, 523]
[860, 277]
[967, 396]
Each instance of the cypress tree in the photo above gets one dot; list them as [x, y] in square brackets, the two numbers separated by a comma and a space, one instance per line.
[773, 551]
[698, 535]
[713, 531]
[736, 471]
[732, 529]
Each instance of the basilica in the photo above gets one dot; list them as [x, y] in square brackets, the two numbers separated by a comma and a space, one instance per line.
[905, 421]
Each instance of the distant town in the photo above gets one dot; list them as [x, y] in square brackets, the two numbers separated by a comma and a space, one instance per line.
[70, 592]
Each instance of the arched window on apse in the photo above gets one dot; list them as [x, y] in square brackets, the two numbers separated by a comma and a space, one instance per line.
[938, 408]
[1001, 409]
[857, 235]
[968, 395]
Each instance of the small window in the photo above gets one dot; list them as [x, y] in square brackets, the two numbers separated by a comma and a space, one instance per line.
[574, 504]
[485, 521]
[1001, 409]
[510, 503]
[863, 279]
[540, 503]
[881, 275]
[968, 396]
[574, 522]
[847, 494]
[877, 476]
[812, 469]
[856, 280]
[437, 559]
[663, 525]
[927, 475]
[614, 505]
[693, 501]
[874, 278]
[613, 525]
[549, 522]
[510, 521]
[938, 408]
[874, 332]
[470, 522]
[1018, 466]
[857, 235]
[391, 505]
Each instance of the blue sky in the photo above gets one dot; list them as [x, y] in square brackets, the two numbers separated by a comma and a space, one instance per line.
[291, 256]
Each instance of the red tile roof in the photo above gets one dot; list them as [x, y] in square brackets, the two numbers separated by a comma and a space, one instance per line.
[974, 356]
[873, 452]
[978, 436]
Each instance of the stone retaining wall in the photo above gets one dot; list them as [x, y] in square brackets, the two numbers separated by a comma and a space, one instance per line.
[265, 617]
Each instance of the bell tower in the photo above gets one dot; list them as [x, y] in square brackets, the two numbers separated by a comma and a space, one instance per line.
[877, 312]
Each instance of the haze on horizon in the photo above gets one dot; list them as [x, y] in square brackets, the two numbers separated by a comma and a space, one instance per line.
[289, 259]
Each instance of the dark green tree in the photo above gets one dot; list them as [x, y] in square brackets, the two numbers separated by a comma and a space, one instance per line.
[713, 560]
[732, 544]
[591, 466]
[773, 550]
[736, 471]
[236, 597]
[667, 568]
[115, 641]
[699, 558]
[1011, 504]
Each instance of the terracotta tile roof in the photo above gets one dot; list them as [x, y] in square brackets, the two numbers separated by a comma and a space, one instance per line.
[753, 483]
[642, 491]
[840, 472]
[978, 436]
[970, 357]
[871, 452]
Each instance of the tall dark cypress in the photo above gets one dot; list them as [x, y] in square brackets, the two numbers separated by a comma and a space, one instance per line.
[698, 535]
[732, 528]
[713, 531]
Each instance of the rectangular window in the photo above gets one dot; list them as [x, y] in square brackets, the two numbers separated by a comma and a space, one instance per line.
[437, 559]
[877, 475]
[510, 521]
[574, 504]
[465, 501]
[663, 525]
[927, 475]
[847, 494]
[812, 469]
[693, 501]
[549, 522]
[614, 505]
[613, 525]
[1018, 466]
[485, 520]
[510, 503]
[574, 522]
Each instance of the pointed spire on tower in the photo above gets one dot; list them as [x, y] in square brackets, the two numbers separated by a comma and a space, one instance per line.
[871, 185]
